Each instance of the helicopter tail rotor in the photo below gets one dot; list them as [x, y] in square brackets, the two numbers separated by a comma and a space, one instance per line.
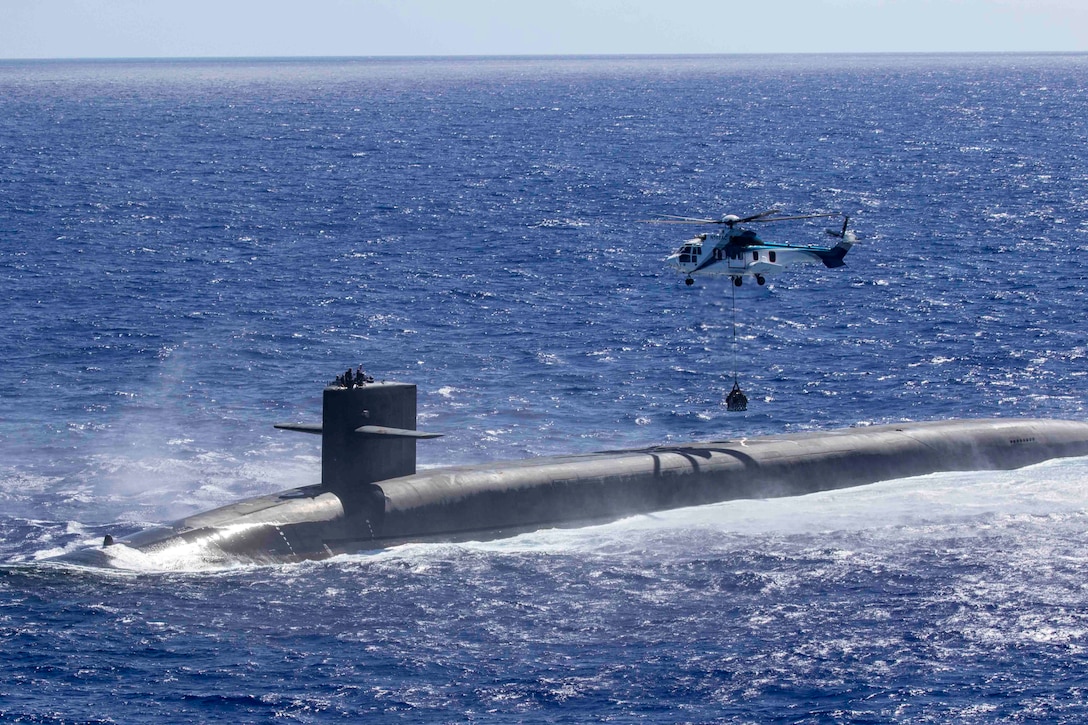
[840, 234]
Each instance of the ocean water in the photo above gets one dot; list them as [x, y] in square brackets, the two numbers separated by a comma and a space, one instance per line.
[190, 250]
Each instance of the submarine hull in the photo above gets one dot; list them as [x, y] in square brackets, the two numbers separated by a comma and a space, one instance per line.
[500, 499]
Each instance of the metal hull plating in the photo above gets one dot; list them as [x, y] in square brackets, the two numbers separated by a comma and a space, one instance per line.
[500, 499]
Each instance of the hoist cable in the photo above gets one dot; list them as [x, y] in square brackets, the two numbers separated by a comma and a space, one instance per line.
[734, 333]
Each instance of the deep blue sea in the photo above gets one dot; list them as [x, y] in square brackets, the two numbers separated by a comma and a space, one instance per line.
[190, 250]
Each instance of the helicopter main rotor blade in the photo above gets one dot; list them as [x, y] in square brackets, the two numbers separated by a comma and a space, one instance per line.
[761, 218]
[678, 221]
[754, 217]
[670, 219]
[791, 218]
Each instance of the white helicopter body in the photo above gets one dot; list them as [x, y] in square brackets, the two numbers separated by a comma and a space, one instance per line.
[737, 253]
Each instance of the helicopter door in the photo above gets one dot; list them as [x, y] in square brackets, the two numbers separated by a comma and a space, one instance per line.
[735, 260]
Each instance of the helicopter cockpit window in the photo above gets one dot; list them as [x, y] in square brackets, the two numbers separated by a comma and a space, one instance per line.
[689, 253]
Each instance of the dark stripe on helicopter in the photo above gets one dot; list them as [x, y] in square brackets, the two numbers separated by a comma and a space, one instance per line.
[708, 262]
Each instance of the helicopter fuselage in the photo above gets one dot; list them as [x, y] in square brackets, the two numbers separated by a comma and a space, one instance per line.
[739, 253]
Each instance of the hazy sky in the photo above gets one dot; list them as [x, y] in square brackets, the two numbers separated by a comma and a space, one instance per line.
[224, 28]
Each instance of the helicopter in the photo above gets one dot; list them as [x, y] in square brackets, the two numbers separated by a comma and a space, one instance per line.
[739, 253]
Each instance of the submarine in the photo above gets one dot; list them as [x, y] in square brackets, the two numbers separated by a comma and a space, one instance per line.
[370, 495]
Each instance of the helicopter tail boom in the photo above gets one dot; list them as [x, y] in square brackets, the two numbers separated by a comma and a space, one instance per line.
[834, 257]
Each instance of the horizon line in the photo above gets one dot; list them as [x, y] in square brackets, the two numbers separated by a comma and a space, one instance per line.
[534, 56]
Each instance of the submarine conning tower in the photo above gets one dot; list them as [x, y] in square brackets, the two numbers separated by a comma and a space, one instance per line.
[359, 439]
[368, 434]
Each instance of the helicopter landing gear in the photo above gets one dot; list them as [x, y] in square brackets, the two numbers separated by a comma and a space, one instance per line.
[689, 281]
[737, 281]
[760, 279]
